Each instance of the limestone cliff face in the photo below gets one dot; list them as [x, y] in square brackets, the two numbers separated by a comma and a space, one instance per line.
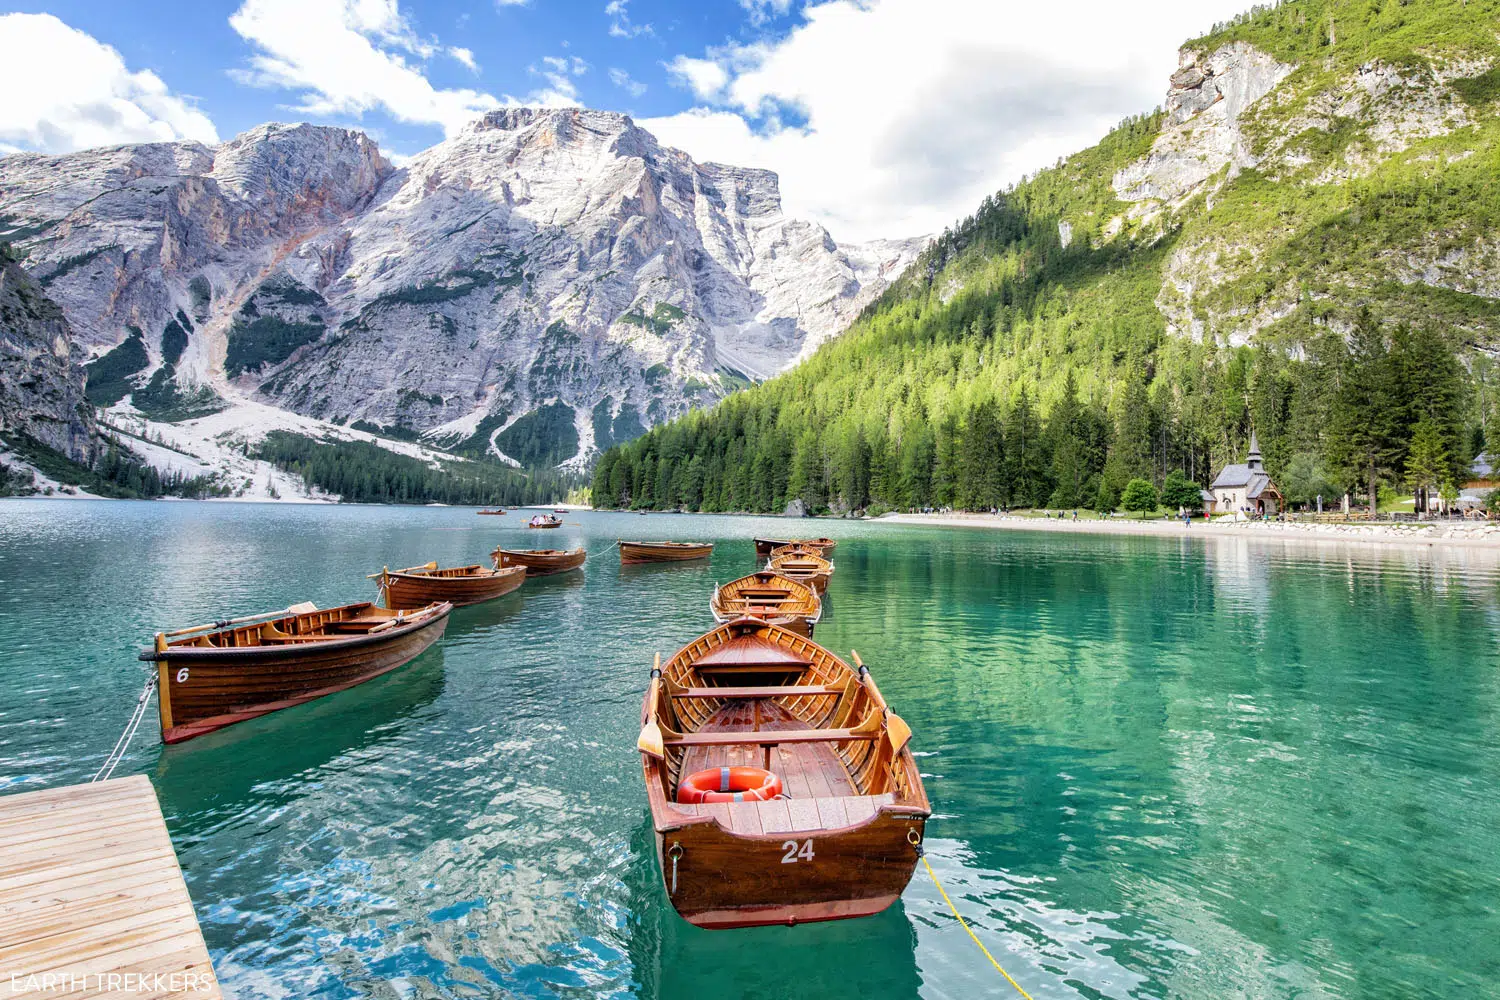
[539, 257]
[41, 385]
[1237, 121]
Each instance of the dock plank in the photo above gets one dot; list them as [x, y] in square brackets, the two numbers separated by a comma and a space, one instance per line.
[90, 888]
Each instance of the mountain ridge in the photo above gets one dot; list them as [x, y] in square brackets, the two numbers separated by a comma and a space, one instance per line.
[539, 258]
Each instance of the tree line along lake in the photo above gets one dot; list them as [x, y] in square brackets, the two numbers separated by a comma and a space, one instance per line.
[1196, 767]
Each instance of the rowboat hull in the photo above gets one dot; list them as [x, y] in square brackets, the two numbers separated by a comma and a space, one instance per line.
[541, 562]
[823, 546]
[840, 839]
[409, 591]
[203, 689]
[632, 553]
[856, 871]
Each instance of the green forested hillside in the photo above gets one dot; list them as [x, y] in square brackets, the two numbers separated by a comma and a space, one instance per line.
[1334, 284]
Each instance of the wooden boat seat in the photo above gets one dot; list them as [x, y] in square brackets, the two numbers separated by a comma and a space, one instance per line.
[768, 737]
[357, 625]
[772, 691]
[289, 640]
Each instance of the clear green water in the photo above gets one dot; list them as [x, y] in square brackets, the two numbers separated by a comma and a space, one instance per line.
[1159, 769]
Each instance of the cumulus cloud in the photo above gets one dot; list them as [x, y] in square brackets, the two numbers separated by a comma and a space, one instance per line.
[907, 112]
[64, 90]
[761, 11]
[625, 82]
[348, 57]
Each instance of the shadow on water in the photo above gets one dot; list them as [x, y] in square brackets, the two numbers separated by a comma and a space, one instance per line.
[836, 960]
[202, 781]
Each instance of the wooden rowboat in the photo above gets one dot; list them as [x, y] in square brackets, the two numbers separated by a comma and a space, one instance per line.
[544, 521]
[763, 546]
[540, 562]
[213, 676]
[841, 843]
[645, 552]
[497, 513]
[419, 586]
[768, 596]
[802, 564]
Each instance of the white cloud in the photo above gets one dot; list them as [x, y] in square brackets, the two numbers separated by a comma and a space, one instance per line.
[761, 11]
[558, 72]
[347, 57]
[620, 24]
[915, 109]
[623, 80]
[64, 90]
[465, 56]
[512, 3]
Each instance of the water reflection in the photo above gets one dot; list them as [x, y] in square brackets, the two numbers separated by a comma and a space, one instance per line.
[1194, 768]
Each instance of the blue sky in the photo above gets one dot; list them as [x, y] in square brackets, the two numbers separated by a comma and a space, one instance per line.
[883, 117]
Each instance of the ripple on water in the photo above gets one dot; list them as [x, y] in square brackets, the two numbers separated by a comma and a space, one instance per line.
[1186, 768]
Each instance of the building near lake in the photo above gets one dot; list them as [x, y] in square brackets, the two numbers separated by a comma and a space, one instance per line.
[1245, 489]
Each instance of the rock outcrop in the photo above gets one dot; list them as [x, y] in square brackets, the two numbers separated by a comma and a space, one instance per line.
[41, 384]
[539, 258]
[1201, 135]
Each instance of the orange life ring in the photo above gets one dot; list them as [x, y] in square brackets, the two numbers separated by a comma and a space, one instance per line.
[728, 784]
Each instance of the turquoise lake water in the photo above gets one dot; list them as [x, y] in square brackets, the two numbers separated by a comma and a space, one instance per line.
[1159, 768]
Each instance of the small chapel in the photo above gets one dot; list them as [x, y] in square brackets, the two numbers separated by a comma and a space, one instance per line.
[1245, 489]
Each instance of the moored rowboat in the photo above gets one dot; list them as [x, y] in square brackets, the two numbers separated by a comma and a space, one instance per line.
[644, 552]
[763, 546]
[213, 676]
[419, 586]
[771, 710]
[803, 564]
[540, 562]
[770, 597]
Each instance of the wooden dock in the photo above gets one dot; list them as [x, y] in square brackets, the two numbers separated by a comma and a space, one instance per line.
[92, 901]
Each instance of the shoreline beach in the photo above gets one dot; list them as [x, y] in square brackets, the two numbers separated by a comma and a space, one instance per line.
[1481, 534]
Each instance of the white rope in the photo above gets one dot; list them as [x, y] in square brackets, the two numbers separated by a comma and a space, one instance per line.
[118, 753]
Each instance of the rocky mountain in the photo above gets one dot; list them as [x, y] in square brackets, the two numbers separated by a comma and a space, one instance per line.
[1301, 242]
[539, 286]
[41, 383]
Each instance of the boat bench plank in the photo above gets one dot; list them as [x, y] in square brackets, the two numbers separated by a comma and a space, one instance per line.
[791, 815]
[774, 691]
[768, 737]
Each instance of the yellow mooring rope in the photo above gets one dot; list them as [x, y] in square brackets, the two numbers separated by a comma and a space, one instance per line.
[965, 924]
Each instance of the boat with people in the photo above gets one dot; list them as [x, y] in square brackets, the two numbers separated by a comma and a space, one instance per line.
[763, 546]
[768, 596]
[646, 552]
[419, 586]
[212, 676]
[781, 786]
[540, 562]
[544, 521]
[498, 512]
[802, 563]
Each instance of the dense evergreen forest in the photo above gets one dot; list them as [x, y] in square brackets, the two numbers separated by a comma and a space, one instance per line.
[115, 473]
[1024, 360]
[361, 472]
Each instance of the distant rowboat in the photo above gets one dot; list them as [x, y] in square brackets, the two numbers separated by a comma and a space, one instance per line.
[801, 563]
[644, 552]
[212, 676]
[763, 546]
[499, 512]
[768, 596]
[544, 521]
[782, 788]
[419, 586]
[540, 562]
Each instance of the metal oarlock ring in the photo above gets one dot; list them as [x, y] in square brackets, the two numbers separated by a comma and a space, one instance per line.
[915, 840]
[655, 672]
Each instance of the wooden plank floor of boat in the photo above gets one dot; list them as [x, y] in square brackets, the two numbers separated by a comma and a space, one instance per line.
[90, 891]
[822, 796]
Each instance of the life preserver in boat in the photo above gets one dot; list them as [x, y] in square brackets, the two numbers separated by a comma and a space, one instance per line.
[729, 784]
